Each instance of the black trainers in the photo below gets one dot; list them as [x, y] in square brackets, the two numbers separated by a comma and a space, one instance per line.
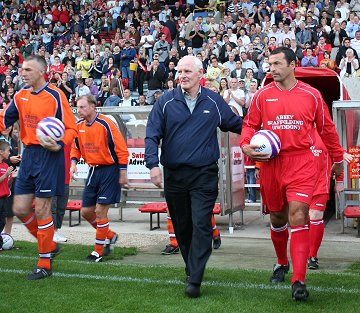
[94, 257]
[170, 249]
[279, 271]
[39, 273]
[56, 251]
[110, 245]
[313, 263]
[216, 242]
[299, 291]
[192, 290]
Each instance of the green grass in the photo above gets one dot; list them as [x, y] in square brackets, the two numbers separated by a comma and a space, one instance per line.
[111, 286]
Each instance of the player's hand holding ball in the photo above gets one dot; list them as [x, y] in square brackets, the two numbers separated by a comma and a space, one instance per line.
[264, 145]
[48, 143]
[49, 131]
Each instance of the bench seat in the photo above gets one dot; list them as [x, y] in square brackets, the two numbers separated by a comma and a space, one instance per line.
[161, 207]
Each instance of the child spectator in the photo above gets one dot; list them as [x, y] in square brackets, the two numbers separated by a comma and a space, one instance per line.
[11, 136]
[5, 172]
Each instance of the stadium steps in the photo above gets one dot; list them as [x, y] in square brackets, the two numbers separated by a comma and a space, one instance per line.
[107, 35]
[135, 94]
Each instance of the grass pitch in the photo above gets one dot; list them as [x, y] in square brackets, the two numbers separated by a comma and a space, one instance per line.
[78, 286]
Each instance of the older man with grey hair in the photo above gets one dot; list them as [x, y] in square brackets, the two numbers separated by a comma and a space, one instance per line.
[186, 121]
[230, 64]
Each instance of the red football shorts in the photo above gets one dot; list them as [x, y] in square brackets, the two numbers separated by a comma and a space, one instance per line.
[286, 178]
[318, 202]
[323, 165]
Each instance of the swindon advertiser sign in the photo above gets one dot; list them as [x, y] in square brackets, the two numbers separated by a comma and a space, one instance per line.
[354, 166]
[136, 165]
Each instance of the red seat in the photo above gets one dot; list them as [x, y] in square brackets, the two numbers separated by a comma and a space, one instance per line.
[161, 207]
[155, 207]
[74, 206]
[353, 212]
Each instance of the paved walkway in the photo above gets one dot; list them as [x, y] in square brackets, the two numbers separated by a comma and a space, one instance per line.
[248, 247]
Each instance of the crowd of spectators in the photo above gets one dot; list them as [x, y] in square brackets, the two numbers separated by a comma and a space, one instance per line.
[110, 48]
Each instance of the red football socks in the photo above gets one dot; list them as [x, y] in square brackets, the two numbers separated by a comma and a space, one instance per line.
[299, 251]
[279, 237]
[316, 234]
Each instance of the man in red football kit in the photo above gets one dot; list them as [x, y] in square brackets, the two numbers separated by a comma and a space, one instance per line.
[42, 171]
[320, 197]
[290, 108]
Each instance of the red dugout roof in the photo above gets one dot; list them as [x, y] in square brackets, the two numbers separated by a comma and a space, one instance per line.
[325, 80]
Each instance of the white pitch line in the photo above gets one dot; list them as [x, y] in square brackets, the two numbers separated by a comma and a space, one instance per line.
[117, 263]
[179, 282]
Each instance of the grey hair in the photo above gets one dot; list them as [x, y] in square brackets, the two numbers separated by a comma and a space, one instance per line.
[39, 60]
[197, 63]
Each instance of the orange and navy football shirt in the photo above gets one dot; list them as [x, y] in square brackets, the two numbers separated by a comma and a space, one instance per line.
[31, 107]
[100, 143]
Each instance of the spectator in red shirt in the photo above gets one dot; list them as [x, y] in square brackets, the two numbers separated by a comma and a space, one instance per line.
[166, 31]
[57, 67]
[55, 13]
[3, 67]
[321, 47]
[64, 15]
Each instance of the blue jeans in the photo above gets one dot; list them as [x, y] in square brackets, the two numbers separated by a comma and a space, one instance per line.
[126, 73]
[149, 53]
[114, 24]
[250, 179]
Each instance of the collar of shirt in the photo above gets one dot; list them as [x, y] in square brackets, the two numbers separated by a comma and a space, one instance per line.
[92, 122]
[191, 102]
[187, 95]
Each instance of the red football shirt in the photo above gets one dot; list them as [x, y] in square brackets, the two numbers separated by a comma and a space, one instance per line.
[292, 114]
[4, 185]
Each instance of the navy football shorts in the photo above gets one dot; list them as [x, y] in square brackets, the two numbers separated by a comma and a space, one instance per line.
[42, 173]
[102, 186]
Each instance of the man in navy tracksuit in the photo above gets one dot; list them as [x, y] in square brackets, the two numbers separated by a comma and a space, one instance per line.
[186, 119]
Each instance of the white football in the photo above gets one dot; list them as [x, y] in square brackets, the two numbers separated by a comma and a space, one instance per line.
[8, 241]
[52, 127]
[267, 142]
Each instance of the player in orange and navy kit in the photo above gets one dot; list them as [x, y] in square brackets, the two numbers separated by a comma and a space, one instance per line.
[290, 108]
[102, 146]
[320, 197]
[42, 171]
[173, 247]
